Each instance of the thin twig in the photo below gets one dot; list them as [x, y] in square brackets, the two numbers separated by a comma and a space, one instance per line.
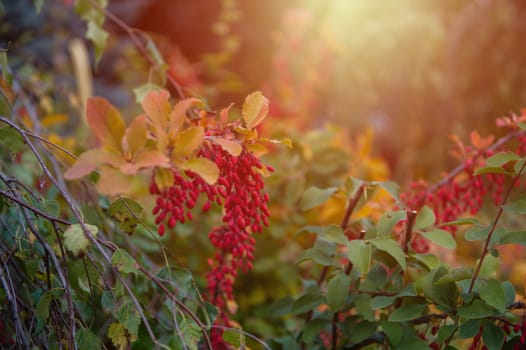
[485, 250]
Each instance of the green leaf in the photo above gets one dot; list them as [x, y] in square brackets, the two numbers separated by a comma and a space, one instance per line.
[476, 233]
[255, 109]
[425, 218]
[490, 170]
[76, 241]
[203, 167]
[469, 329]
[234, 337]
[456, 274]
[392, 248]
[509, 291]
[330, 233]
[98, 37]
[516, 207]
[440, 237]
[502, 158]
[393, 330]
[489, 266]
[492, 293]
[152, 49]
[443, 294]
[129, 316]
[107, 301]
[42, 308]
[87, 340]
[462, 221]
[141, 91]
[307, 302]
[89, 12]
[493, 336]
[124, 262]
[391, 187]
[313, 196]
[317, 255]
[430, 261]
[362, 330]
[381, 302]
[445, 332]
[11, 139]
[337, 291]
[516, 237]
[127, 212]
[388, 220]
[360, 254]
[476, 310]
[407, 312]
[363, 306]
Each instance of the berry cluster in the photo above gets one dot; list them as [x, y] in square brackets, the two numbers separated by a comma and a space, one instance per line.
[460, 194]
[240, 190]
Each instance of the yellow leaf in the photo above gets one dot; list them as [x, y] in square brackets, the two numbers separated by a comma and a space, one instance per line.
[257, 148]
[135, 135]
[188, 140]
[205, 168]
[117, 334]
[255, 109]
[163, 178]
[113, 181]
[106, 122]
[157, 106]
[178, 114]
[232, 147]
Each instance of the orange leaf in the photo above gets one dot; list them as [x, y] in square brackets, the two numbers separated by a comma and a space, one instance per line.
[105, 121]
[150, 159]
[113, 181]
[85, 164]
[255, 109]
[157, 106]
[188, 140]
[135, 136]
[178, 114]
[223, 115]
[91, 160]
[232, 147]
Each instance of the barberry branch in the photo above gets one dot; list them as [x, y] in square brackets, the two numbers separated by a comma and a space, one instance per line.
[463, 166]
[411, 215]
[485, 250]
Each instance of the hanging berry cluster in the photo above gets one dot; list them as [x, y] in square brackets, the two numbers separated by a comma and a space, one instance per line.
[240, 190]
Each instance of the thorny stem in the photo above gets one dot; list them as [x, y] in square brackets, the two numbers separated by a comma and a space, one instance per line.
[485, 250]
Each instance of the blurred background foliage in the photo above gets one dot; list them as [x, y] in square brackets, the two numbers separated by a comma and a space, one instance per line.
[369, 89]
